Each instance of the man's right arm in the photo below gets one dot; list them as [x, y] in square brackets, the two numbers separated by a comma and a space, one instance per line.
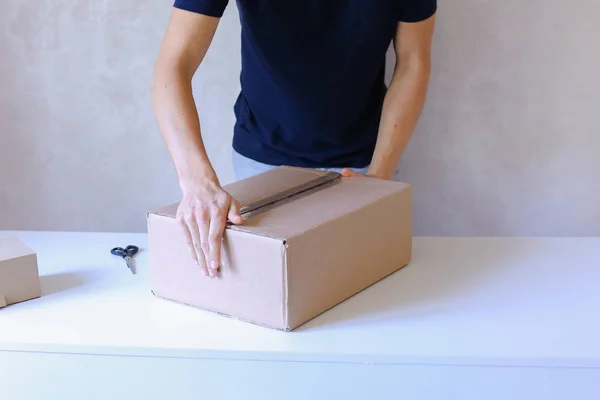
[184, 45]
[205, 207]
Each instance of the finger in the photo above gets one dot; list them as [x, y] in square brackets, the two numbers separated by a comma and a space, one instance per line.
[234, 213]
[193, 229]
[203, 225]
[188, 237]
[217, 226]
[346, 172]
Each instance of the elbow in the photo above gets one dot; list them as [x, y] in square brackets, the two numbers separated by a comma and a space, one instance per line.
[416, 65]
[417, 69]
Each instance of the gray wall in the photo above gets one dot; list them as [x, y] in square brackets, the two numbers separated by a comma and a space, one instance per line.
[508, 144]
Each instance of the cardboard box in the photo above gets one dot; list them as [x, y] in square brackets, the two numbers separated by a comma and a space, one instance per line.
[328, 239]
[19, 277]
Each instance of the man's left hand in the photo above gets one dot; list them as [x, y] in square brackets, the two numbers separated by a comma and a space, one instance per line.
[346, 172]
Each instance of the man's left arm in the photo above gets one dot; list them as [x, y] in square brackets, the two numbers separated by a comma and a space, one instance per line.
[406, 94]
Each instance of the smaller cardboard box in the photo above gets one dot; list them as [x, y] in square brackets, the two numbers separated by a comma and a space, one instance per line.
[311, 239]
[19, 276]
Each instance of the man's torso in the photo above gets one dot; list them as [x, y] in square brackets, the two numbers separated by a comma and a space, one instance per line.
[312, 80]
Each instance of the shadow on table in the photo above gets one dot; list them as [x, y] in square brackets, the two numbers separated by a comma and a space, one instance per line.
[437, 281]
[62, 282]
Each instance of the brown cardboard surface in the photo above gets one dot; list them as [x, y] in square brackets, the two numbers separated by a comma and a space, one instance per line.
[343, 256]
[11, 247]
[258, 187]
[294, 260]
[274, 181]
[2, 301]
[19, 278]
[250, 263]
[303, 214]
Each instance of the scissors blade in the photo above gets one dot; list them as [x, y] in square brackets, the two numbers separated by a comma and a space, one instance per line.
[130, 264]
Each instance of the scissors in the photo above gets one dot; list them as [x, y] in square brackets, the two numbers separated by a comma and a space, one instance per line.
[127, 254]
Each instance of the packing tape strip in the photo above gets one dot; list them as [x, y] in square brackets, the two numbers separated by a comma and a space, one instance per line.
[315, 184]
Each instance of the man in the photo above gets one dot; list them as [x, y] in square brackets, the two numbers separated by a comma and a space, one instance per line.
[313, 95]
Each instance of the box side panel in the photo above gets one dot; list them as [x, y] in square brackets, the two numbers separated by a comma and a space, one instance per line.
[19, 279]
[249, 287]
[336, 260]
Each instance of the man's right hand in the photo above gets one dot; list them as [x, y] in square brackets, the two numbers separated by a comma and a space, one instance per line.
[205, 207]
[203, 214]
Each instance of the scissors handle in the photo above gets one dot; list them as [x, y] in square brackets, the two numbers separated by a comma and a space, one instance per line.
[128, 251]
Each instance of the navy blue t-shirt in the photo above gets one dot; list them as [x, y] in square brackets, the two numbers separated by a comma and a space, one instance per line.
[312, 76]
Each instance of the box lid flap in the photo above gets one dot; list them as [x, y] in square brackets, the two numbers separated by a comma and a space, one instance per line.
[303, 213]
[11, 247]
[300, 213]
[267, 188]
[278, 185]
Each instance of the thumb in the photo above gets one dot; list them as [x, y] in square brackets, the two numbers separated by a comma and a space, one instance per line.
[234, 213]
[347, 172]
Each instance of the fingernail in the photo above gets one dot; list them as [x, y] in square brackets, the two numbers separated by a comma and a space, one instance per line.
[212, 273]
[205, 272]
[214, 265]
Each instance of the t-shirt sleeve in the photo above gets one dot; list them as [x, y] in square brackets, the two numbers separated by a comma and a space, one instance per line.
[212, 8]
[416, 10]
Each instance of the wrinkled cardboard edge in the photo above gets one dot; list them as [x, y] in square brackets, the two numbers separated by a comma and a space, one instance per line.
[236, 228]
[315, 171]
[285, 285]
[286, 329]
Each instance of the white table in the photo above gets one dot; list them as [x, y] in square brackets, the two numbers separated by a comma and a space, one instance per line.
[468, 319]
